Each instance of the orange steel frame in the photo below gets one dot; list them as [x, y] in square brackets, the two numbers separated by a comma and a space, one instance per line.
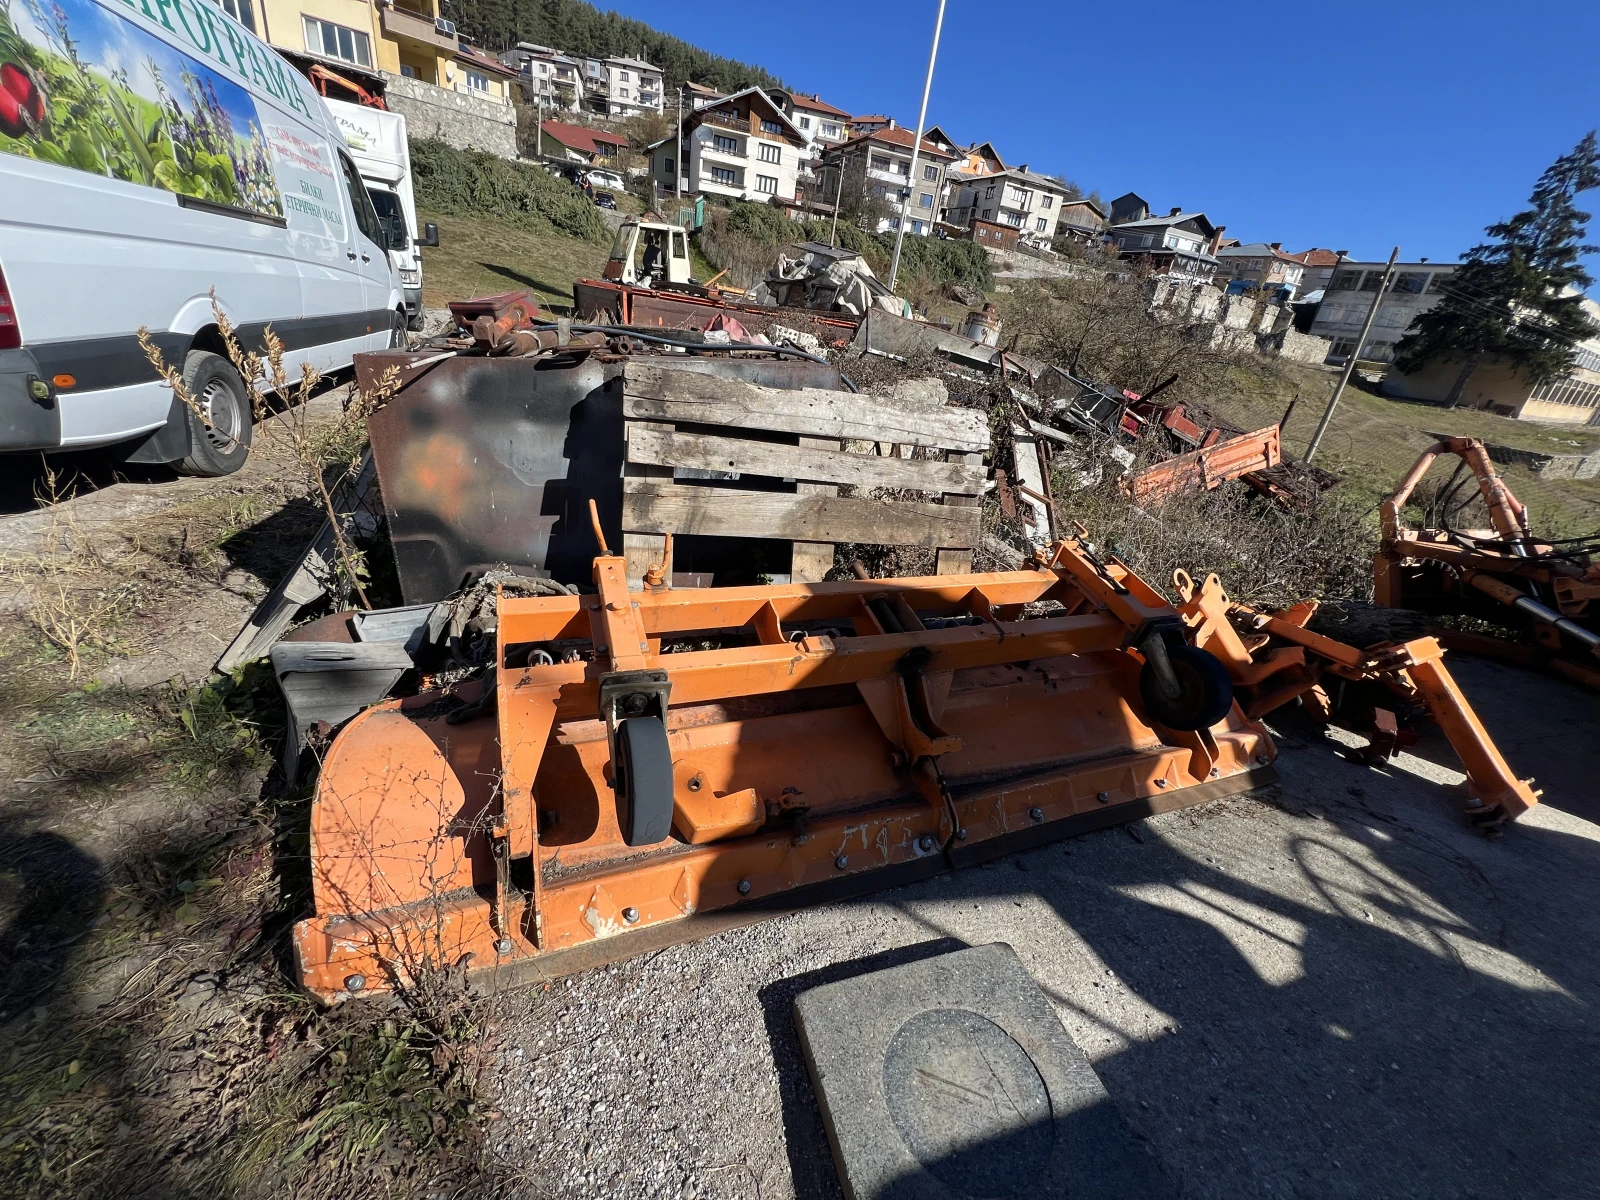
[804, 763]
[1269, 675]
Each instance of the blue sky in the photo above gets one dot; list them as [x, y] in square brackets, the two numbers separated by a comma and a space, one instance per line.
[1353, 125]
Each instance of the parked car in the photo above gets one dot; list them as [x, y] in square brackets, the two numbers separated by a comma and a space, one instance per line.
[243, 191]
[607, 179]
[605, 200]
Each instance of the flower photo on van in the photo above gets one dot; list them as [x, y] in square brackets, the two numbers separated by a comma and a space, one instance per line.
[84, 88]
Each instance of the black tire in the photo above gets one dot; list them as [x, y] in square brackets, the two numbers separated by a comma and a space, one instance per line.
[397, 331]
[644, 781]
[1205, 691]
[220, 432]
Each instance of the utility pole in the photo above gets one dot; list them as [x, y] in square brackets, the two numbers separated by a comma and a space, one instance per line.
[539, 136]
[1355, 353]
[677, 150]
[838, 193]
[916, 148]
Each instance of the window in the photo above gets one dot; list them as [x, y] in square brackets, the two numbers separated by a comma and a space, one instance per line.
[477, 81]
[987, 213]
[880, 191]
[1046, 201]
[1346, 281]
[767, 184]
[408, 70]
[1410, 282]
[1342, 347]
[988, 192]
[335, 41]
[770, 154]
[666, 165]
[366, 215]
[1021, 197]
[771, 127]
[1372, 282]
[880, 163]
[622, 77]
[830, 131]
[240, 11]
[924, 200]
[1040, 224]
[804, 122]
[894, 222]
[727, 145]
[725, 176]
[930, 173]
[1440, 282]
[1013, 218]
[917, 227]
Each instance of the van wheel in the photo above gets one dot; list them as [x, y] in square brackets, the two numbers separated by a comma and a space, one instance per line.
[397, 331]
[219, 433]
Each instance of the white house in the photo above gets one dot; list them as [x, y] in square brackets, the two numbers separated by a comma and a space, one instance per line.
[633, 87]
[744, 147]
[880, 162]
[550, 78]
[1015, 196]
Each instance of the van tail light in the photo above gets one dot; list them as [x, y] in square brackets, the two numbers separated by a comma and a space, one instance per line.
[10, 331]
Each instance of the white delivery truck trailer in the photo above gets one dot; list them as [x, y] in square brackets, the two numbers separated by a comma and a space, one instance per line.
[377, 142]
[152, 156]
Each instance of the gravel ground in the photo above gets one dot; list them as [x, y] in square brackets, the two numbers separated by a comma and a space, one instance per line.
[1332, 990]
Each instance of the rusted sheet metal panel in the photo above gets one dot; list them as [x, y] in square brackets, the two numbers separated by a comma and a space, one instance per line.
[649, 308]
[485, 461]
[1210, 467]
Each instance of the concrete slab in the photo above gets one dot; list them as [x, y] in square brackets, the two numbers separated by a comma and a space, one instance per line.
[952, 1077]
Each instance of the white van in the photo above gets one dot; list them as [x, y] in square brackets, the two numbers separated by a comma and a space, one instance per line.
[377, 142]
[150, 153]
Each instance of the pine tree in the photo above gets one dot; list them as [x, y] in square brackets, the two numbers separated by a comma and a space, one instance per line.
[1517, 298]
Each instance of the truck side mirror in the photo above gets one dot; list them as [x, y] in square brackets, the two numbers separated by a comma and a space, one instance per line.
[430, 235]
[395, 234]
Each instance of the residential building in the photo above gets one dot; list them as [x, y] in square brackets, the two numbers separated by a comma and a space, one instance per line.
[824, 126]
[992, 236]
[549, 79]
[633, 86]
[880, 163]
[481, 75]
[1129, 207]
[1014, 196]
[697, 95]
[744, 147]
[1320, 265]
[1082, 220]
[1495, 385]
[874, 123]
[1416, 287]
[579, 143]
[1181, 245]
[1262, 265]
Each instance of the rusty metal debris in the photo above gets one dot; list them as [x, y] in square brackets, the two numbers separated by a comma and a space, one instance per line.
[1547, 591]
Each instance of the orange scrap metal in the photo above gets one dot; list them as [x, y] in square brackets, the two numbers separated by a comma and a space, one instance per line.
[845, 737]
[1281, 660]
[1209, 467]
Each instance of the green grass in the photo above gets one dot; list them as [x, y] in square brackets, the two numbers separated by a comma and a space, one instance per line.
[478, 256]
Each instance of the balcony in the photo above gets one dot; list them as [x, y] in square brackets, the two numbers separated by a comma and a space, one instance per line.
[404, 25]
[742, 124]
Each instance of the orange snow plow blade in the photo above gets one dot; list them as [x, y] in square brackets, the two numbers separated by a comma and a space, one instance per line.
[646, 767]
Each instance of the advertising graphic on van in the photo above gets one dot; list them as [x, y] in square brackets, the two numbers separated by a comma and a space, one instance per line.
[310, 193]
[96, 92]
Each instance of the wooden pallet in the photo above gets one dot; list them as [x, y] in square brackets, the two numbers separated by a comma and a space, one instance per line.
[687, 433]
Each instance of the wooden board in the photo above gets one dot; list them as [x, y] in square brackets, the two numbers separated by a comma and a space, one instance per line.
[707, 452]
[654, 394]
[730, 512]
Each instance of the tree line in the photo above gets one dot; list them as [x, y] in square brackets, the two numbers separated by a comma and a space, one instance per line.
[580, 29]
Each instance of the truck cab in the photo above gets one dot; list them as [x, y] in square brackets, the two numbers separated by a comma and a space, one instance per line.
[650, 254]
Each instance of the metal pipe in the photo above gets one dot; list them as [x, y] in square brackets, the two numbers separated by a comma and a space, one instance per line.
[916, 149]
[1506, 594]
[1355, 353]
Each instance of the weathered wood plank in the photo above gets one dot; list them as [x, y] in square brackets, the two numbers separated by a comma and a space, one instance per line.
[707, 452]
[810, 562]
[651, 393]
[950, 561]
[731, 512]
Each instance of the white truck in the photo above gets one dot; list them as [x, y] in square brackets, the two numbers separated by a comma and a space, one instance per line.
[377, 142]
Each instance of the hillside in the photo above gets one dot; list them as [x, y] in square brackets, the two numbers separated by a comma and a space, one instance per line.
[574, 27]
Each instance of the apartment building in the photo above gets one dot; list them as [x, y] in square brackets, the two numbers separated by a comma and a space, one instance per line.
[879, 163]
[1180, 245]
[1415, 288]
[744, 147]
[1014, 197]
[1262, 265]
[1320, 265]
[623, 87]
[549, 78]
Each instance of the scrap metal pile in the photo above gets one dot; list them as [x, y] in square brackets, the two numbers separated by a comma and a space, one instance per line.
[567, 748]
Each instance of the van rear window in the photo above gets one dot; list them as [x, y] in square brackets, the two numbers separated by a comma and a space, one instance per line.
[92, 91]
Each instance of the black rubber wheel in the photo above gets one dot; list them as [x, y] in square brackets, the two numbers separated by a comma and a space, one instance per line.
[1205, 693]
[397, 331]
[644, 781]
[220, 431]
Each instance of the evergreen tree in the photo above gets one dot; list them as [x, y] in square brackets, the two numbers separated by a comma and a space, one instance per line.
[1519, 297]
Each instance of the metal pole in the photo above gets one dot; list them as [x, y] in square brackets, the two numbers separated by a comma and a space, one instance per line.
[677, 150]
[539, 137]
[1355, 353]
[916, 148]
[838, 193]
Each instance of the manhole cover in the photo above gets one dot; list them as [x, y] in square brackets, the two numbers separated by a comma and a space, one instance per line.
[969, 1103]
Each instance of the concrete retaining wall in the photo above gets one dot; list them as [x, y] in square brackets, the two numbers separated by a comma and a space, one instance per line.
[462, 121]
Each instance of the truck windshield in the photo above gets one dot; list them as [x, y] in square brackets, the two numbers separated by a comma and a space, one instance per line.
[624, 242]
[390, 215]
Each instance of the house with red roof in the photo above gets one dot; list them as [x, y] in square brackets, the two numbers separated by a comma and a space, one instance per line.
[580, 143]
[879, 165]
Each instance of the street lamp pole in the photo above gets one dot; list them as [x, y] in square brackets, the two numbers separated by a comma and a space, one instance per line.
[916, 148]
[1355, 353]
[838, 193]
[677, 150]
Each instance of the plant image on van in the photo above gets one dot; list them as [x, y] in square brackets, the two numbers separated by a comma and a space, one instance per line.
[81, 87]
